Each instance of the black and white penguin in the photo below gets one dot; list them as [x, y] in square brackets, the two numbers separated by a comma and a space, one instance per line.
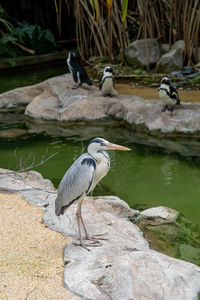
[78, 72]
[106, 85]
[168, 94]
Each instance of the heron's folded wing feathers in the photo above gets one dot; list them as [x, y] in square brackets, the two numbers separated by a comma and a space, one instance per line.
[76, 181]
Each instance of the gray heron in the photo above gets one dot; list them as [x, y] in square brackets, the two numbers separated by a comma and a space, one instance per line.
[82, 177]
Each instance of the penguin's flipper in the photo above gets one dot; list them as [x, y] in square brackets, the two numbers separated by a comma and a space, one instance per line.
[75, 77]
[100, 84]
[172, 93]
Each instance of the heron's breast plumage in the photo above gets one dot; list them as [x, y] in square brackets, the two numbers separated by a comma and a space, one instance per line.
[101, 170]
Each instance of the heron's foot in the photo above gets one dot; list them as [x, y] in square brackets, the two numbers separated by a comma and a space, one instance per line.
[96, 237]
[85, 246]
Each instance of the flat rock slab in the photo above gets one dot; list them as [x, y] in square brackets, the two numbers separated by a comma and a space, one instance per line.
[123, 267]
[55, 100]
[30, 185]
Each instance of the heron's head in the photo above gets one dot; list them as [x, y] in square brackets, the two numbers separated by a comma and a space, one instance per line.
[166, 80]
[99, 144]
[108, 69]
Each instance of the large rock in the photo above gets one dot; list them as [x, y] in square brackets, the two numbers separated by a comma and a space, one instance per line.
[136, 53]
[54, 100]
[55, 108]
[172, 60]
[123, 267]
[57, 102]
[30, 185]
[18, 98]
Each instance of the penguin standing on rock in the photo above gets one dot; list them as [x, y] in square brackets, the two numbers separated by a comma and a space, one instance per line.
[106, 85]
[78, 72]
[168, 94]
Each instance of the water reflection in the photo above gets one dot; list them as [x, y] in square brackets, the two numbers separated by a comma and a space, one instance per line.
[143, 176]
[168, 168]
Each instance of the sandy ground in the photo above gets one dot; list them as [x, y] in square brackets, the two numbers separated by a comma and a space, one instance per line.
[152, 93]
[31, 255]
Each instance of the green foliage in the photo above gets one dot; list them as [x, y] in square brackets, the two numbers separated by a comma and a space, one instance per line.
[29, 36]
[33, 37]
[124, 10]
[5, 22]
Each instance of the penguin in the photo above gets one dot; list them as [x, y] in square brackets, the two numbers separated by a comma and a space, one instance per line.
[106, 85]
[78, 72]
[168, 94]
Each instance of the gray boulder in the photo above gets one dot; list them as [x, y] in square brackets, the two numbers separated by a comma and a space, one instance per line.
[123, 267]
[136, 53]
[164, 48]
[172, 60]
[30, 185]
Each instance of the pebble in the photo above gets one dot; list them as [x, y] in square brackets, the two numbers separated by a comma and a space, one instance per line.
[193, 75]
[188, 70]
[177, 74]
[154, 84]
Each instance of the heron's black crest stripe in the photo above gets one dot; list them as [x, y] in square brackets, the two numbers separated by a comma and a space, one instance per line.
[97, 140]
[69, 204]
[89, 162]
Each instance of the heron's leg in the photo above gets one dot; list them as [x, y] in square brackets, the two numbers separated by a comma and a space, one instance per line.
[84, 228]
[87, 237]
[78, 218]
[79, 223]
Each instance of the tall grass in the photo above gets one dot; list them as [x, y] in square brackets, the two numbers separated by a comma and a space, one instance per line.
[169, 21]
[105, 27]
[101, 27]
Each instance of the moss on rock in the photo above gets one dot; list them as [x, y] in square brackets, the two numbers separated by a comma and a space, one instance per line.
[179, 239]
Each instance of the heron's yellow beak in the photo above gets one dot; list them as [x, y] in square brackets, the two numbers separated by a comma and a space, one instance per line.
[111, 146]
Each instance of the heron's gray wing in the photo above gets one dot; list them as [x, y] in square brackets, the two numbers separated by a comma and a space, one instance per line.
[75, 183]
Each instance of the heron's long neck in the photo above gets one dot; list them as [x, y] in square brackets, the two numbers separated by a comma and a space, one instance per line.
[100, 156]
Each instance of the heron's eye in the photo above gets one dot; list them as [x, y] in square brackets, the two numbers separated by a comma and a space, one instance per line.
[102, 144]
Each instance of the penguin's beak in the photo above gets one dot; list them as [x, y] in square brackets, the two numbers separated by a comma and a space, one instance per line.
[111, 146]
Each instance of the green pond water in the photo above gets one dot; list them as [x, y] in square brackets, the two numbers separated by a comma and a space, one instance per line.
[143, 177]
[28, 76]
[140, 177]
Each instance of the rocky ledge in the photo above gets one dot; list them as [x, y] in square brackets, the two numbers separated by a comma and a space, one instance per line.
[124, 266]
[55, 100]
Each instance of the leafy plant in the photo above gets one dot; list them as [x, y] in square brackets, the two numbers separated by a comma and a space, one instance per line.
[23, 39]
[42, 41]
